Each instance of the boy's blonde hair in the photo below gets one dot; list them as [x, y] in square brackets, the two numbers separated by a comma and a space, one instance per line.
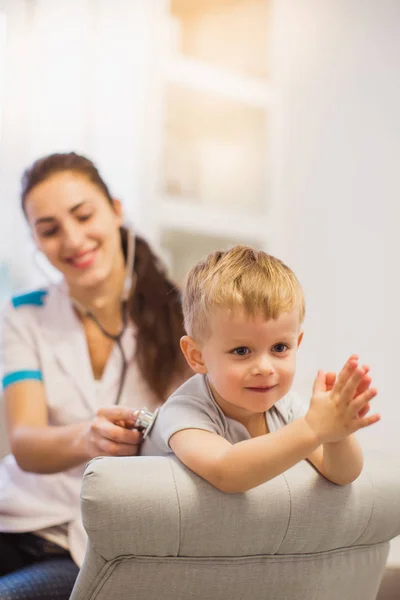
[241, 278]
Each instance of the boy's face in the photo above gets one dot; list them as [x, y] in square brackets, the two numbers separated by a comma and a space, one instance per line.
[250, 362]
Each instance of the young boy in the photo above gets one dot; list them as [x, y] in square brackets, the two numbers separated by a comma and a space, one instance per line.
[236, 423]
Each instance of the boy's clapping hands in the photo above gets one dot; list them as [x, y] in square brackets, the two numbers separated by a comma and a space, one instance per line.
[339, 405]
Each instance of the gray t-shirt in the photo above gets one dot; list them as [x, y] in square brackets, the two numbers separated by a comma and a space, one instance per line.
[192, 406]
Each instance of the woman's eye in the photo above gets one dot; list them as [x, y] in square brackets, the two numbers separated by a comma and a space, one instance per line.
[84, 217]
[279, 348]
[49, 232]
[241, 351]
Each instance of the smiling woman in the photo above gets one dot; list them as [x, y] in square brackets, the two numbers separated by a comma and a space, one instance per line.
[80, 358]
[77, 231]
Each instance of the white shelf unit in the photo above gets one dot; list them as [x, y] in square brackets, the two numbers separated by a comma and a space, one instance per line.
[214, 221]
[216, 176]
[222, 82]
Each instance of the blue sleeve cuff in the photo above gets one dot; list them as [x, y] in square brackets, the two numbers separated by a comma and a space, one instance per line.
[17, 376]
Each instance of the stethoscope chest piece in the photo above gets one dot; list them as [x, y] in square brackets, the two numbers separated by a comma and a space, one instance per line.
[145, 421]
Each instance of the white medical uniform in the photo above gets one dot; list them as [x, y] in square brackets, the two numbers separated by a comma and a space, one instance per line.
[43, 339]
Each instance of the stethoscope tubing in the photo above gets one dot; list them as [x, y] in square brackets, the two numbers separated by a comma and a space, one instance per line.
[129, 279]
[118, 339]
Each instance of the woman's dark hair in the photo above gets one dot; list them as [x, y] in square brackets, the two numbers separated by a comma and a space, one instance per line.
[154, 306]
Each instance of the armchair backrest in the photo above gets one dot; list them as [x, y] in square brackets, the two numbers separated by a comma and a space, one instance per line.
[156, 530]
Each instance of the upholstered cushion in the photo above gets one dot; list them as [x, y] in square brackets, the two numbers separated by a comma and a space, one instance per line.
[158, 531]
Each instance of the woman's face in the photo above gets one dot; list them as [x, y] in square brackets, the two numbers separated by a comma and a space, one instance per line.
[76, 227]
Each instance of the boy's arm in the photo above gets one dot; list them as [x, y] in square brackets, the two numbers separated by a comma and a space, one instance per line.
[340, 462]
[242, 466]
[332, 417]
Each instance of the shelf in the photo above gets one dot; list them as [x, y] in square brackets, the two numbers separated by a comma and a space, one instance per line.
[190, 7]
[181, 250]
[231, 34]
[200, 76]
[186, 216]
[215, 150]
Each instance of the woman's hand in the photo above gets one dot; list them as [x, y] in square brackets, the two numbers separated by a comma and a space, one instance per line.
[111, 433]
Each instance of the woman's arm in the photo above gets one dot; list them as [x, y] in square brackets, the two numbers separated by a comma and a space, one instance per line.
[42, 448]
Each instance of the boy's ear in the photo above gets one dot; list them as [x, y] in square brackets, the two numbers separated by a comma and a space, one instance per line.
[299, 339]
[193, 354]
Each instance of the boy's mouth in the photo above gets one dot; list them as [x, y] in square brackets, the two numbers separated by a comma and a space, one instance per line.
[261, 389]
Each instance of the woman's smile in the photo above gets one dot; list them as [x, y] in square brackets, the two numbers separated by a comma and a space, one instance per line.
[83, 259]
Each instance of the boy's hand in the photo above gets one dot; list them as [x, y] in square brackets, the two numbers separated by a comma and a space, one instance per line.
[339, 405]
[330, 379]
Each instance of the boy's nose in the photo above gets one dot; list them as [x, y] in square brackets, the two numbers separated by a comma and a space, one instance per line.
[263, 366]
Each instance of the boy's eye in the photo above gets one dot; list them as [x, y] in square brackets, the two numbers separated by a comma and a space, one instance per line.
[279, 348]
[241, 351]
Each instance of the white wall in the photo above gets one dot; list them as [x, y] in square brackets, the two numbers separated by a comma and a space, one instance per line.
[81, 75]
[338, 62]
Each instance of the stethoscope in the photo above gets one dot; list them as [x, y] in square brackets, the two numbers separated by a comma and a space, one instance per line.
[117, 338]
[144, 418]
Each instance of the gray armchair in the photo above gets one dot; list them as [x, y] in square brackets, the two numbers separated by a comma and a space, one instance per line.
[157, 531]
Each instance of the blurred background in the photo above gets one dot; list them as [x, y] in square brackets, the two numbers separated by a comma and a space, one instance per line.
[268, 122]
